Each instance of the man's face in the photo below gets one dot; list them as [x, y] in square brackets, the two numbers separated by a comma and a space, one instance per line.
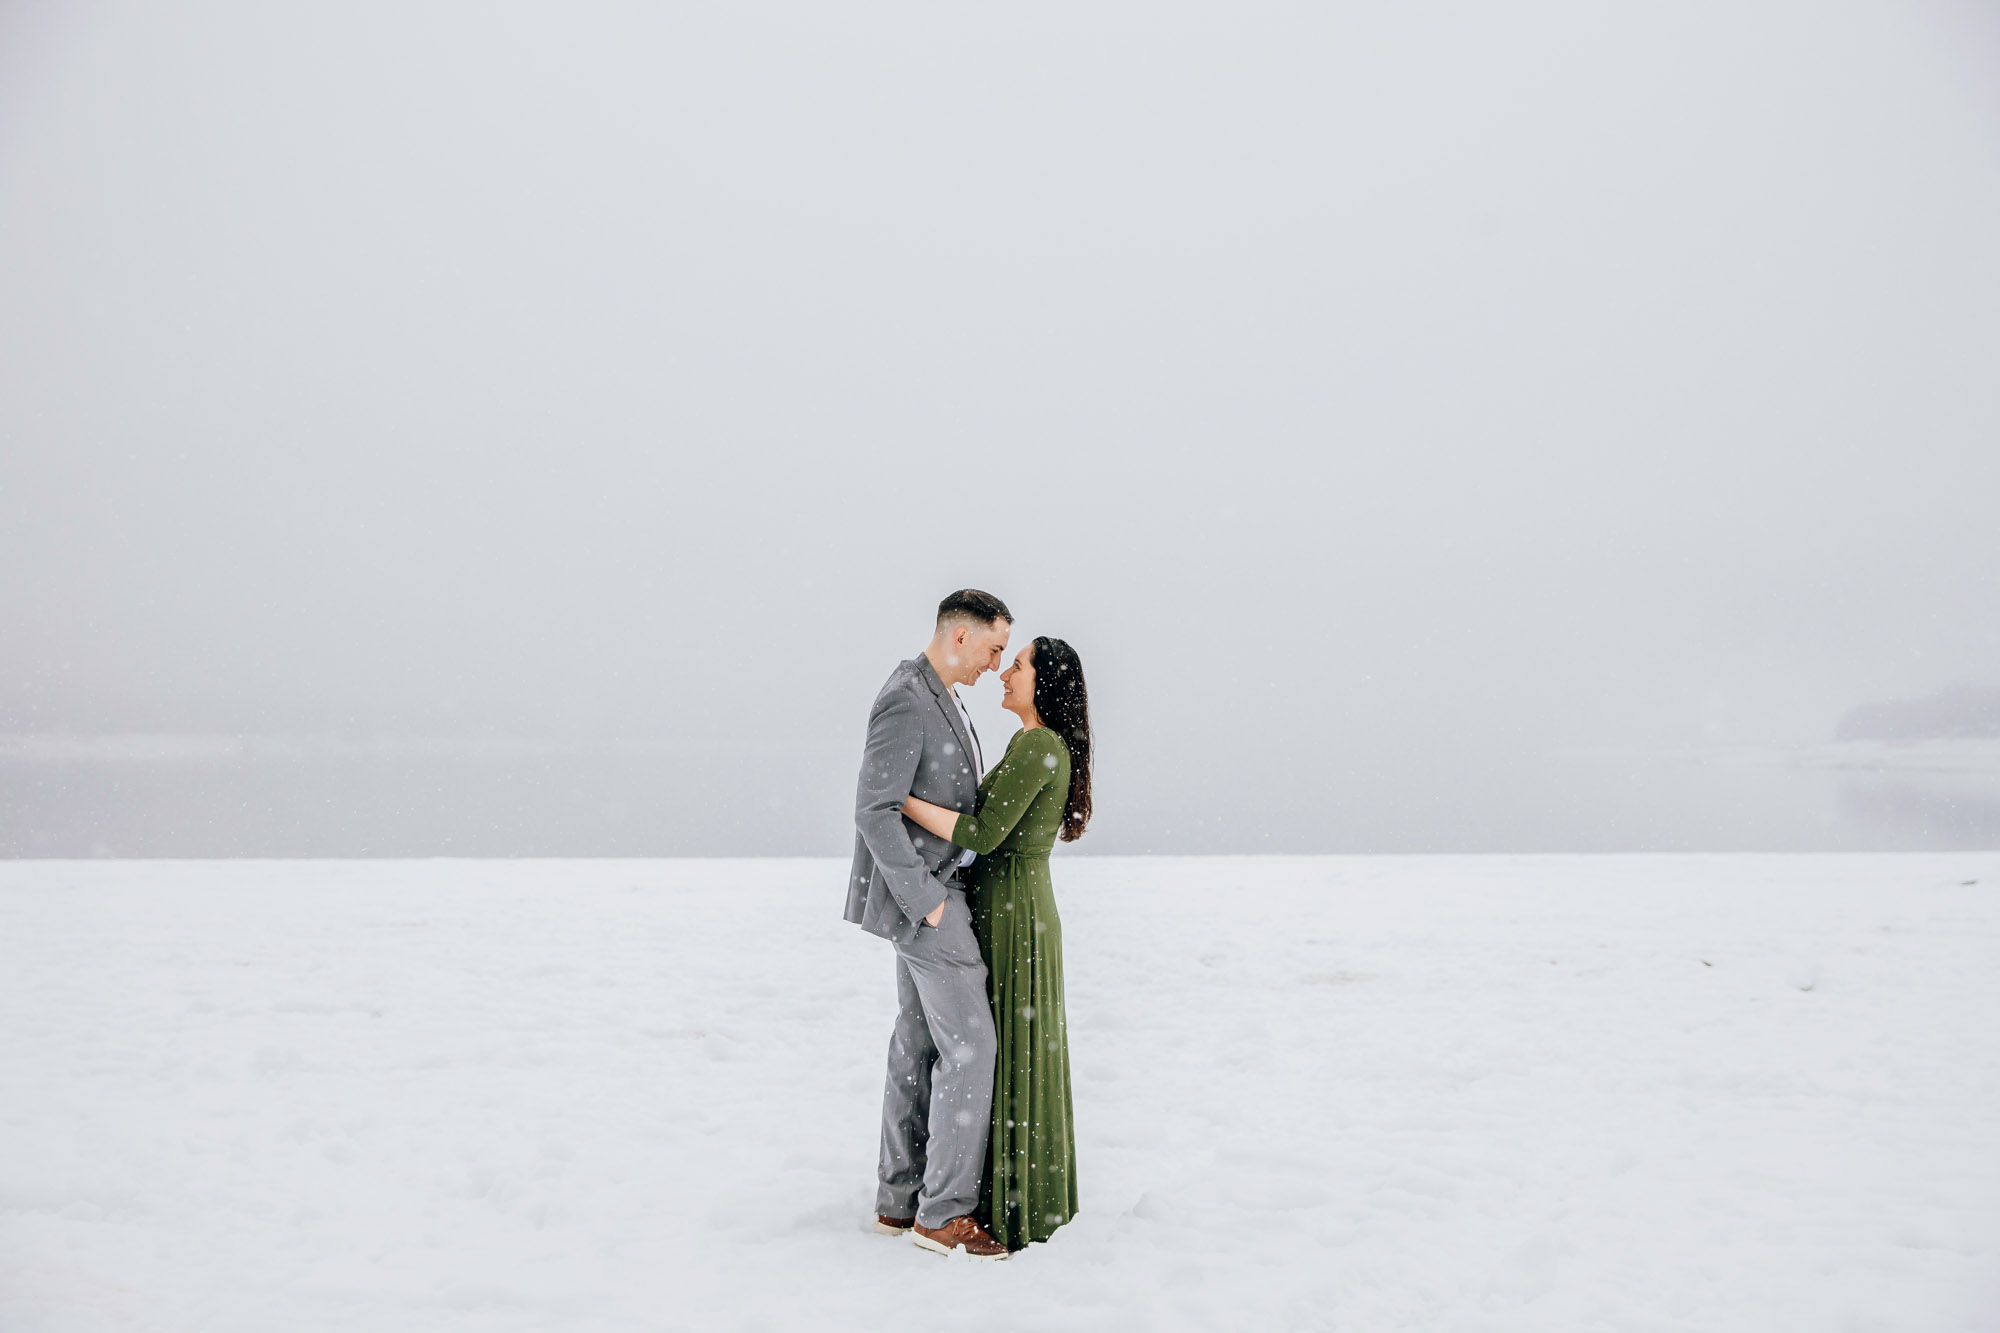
[974, 649]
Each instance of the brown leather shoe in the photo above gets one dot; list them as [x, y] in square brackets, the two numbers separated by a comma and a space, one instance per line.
[961, 1233]
[894, 1226]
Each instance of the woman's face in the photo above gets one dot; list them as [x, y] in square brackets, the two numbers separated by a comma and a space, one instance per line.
[1019, 682]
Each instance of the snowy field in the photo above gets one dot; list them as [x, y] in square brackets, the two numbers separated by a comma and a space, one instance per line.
[1715, 1093]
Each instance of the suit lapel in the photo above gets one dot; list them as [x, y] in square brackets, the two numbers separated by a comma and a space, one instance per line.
[951, 713]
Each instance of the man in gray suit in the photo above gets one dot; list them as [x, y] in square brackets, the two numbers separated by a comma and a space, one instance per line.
[906, 887]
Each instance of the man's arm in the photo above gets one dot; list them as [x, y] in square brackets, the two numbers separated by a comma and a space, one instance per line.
[888, 768]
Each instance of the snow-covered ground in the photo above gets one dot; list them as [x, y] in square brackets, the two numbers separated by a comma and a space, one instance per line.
[1716, 1093]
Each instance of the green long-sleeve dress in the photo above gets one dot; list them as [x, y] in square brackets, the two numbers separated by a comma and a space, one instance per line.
[1030, 1186]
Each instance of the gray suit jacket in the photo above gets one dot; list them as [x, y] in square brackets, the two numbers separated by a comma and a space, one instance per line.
[917, 746]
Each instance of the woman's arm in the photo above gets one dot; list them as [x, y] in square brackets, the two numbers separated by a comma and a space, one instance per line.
[934, 818]
[1027, 768]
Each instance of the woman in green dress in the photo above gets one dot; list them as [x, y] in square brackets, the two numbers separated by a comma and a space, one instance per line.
[1037, 793]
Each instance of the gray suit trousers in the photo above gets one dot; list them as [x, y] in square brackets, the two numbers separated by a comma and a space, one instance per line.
[937, 1105]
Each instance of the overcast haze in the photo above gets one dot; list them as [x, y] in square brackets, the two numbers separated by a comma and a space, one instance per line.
[542, 428]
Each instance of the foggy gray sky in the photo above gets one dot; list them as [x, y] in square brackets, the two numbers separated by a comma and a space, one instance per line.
[1383, 399]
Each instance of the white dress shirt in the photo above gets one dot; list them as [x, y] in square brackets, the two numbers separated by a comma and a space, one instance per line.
[978, 760]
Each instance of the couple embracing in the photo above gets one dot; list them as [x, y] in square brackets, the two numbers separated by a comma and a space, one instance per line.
[978, 1149]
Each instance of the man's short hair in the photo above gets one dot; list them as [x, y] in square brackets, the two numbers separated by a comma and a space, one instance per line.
[972, 604]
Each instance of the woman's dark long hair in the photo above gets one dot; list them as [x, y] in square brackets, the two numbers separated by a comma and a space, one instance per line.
[1064, 704]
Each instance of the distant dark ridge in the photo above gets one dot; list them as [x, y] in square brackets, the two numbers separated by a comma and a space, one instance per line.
[1956, 712]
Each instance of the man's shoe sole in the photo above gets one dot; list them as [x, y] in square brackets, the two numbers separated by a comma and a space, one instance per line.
[935, 1248]
[885, 1230]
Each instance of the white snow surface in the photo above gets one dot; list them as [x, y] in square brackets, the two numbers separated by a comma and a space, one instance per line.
[1748, 1093]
